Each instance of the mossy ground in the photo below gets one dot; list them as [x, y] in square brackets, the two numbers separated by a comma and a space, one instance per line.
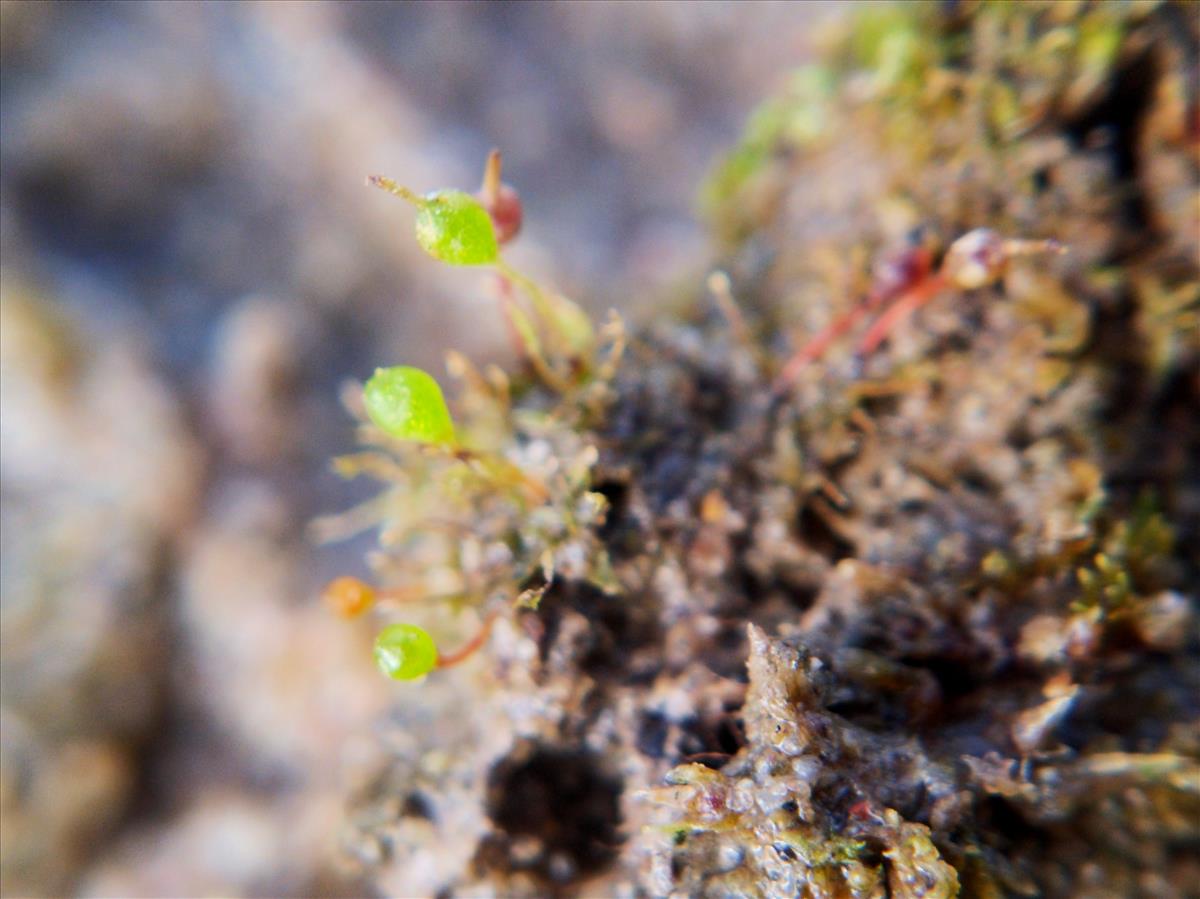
[925, 628]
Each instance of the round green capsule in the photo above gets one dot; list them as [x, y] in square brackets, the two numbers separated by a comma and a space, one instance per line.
[455, 228]
[405, 652]
[407, 403]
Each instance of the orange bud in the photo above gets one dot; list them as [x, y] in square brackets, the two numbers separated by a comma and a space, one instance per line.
[348, 596]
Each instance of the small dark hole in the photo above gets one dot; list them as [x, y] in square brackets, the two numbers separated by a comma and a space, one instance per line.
[620, 531]
[955, 678]
[975, 480]
[651, 735]
[822, 538]
[785, 851]
[416, 805]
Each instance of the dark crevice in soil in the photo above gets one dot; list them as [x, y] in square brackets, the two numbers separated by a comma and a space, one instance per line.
[1117, 118]
[564, 798]
[617, 625]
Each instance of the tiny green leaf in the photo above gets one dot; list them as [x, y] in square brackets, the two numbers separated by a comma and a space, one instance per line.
[455, 228]
[407, 403]
[573, 324]
[405, 651]
[523, 326]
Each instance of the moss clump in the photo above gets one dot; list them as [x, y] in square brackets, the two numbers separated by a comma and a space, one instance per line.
[484, 521]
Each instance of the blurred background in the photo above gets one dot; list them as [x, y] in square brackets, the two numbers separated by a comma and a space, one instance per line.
[191, 266]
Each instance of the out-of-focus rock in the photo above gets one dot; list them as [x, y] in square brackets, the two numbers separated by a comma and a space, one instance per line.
[58, 800]
[98, 475]
[285, 680]
[255, 379]
[223, 844]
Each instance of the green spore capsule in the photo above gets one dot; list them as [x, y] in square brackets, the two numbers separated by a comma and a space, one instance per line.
[455, 228]
[407, 403]
[405, 652]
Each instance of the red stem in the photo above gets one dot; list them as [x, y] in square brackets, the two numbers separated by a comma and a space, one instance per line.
[904, 306]
[470, 647]
[895, 279]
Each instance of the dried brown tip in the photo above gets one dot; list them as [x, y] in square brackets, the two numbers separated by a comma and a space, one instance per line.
[393, 188]
[500, 200]
[490, 191]
[1050, 246]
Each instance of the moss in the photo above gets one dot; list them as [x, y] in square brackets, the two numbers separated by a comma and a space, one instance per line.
[906, 624]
